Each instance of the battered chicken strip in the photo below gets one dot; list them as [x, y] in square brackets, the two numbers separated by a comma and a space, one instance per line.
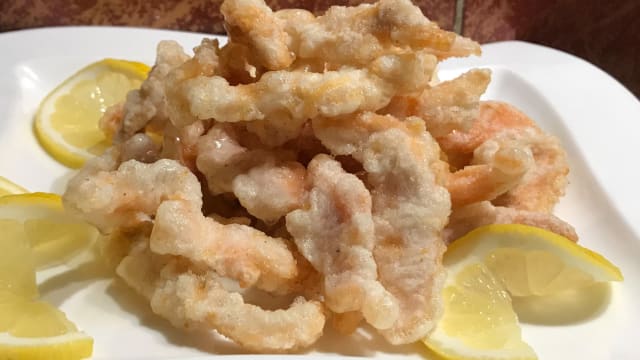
[446, 107]
[410, 209]
[126, 197]
[497, 167]
[252, 23]
[268, 183]
[401, 73]
[357, 35]
[235, 251]
[204, 63]
[221, 159]
[271, 190]
[465, 219]
[191, 298]
[497, 122]
[545, 182]
[277, 130]
[299, 95]
[148, 104]
[335, 232]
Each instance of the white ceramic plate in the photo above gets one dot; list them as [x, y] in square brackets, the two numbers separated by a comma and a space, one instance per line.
[595, 117]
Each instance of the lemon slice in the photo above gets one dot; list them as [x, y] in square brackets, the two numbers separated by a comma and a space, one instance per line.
[31, 329]
[39, 218]
[488, 266]
[66, 123]
[8, 188]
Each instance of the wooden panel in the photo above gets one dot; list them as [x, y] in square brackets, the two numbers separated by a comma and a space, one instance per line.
[606, 33]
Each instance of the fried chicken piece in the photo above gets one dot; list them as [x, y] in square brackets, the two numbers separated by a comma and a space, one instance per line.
[357, 35]
[545, 181]
[400, 73]
[237, 64]
[293, 96]
[182, 144]
[140, 268]
[410, 209]
[347, 135]
[346, 323]
[498, 166]
[446, 107]
[126, 197]
[235, 251]
[271, 190]
[493, 117]
[268, 183]
[335, 232]
[298, 95]
[139, 147]
[252, 23]
[111, 120]
[465, 219]
[204, 63]
[221, 159]
[192, 298]
[407, 25]
[406, 72]
[116, 246]
[276, 130]
[148, 104]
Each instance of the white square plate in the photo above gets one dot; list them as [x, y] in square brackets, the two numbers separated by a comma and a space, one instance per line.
[594, 116]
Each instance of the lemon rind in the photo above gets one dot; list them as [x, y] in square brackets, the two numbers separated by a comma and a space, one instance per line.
[478, 242]
[451, 349]
[10, 187]
[8, 339]
[36, 205]
[73, 345]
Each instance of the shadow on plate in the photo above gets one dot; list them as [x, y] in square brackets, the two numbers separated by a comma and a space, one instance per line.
[364, 342]
[59, 287]
[133, 303]
[568, 307]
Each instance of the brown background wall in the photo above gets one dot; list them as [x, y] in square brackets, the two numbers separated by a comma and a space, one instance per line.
[606, 33]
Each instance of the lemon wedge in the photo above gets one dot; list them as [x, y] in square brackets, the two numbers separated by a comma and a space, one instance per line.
[39, 218]
[490, 265]
[17, 266]
[31, 329]
[7, 187]
[66, 123]
[34, 330]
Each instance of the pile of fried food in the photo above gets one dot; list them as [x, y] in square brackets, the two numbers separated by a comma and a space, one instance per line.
[313, 160]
